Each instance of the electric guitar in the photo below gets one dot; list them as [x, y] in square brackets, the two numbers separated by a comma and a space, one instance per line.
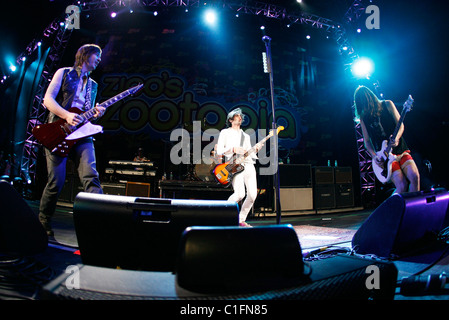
[224, 172]
[59, 136]
[383, 171]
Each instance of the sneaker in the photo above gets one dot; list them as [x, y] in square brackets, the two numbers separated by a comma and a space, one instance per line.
[244, 224]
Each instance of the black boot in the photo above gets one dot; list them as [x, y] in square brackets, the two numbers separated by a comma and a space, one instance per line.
[46, 223]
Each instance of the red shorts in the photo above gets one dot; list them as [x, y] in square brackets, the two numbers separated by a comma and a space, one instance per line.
[396, 165]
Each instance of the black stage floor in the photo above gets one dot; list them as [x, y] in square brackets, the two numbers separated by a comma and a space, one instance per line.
[319, 234]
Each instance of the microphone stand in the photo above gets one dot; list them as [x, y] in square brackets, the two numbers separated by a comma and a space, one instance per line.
[268, 69]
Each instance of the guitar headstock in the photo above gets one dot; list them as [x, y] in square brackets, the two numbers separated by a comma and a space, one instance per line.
[279, 129]
[408, 104]
[135, 89]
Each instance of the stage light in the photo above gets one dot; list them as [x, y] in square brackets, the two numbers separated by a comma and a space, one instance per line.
[113, 14]
[39, 44]
[155, 13]
[13, 68]
[210, 17]
[308, 37]
[362, 68]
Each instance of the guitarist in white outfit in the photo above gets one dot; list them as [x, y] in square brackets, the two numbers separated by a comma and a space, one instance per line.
[378, 119]
[232, 141]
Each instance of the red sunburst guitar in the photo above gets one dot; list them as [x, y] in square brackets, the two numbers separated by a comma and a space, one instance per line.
[59, 136]
[383, 171]
[224, 172]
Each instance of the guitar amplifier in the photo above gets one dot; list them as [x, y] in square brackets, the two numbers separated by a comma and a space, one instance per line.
[323, 175]
[138, 189]
[324, 196]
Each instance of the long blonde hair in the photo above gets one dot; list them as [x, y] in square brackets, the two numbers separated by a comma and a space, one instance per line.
[366, 103]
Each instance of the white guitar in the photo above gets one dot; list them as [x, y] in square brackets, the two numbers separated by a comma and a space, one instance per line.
[383, 171]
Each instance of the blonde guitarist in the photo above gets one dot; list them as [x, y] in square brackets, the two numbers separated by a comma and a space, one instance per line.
[233, 141]
[379, 119]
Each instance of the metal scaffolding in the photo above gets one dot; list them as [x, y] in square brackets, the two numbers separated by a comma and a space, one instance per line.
[38, 112]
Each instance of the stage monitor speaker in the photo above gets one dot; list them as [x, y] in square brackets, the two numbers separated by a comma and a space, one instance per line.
[21, 233]
[295, 175]
[141, 233]
[339, 277]
[236, 260]
[403, 223]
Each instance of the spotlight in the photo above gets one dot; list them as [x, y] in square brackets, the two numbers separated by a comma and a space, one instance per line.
[39, 44]
[113, 14]
[155, 13]
[13, 68]
[362, 68]
[210, 17]
[308, 37]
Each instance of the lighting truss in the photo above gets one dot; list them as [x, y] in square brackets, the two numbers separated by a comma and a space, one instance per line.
[38, 112]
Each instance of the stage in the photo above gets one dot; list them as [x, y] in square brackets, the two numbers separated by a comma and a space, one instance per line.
[322, 237]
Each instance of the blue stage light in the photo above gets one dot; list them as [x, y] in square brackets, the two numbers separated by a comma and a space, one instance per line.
[362, 68]
[210, 17]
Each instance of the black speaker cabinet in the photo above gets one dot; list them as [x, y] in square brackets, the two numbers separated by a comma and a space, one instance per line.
[337, 278]
[295, 175]
[235, 259]
[344, 195]
[141, 233]
[21, 233]
[324, 196]
[402, 223]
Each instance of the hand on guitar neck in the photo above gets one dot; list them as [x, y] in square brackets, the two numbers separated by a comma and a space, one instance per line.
[75, 119]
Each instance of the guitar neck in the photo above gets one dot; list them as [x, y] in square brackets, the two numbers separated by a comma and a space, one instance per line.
[90, 113]
[253, 149]
[396, 129]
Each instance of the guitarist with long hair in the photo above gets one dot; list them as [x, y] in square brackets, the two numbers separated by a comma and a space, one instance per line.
[71, 87]
[378, 119]
[233, 142]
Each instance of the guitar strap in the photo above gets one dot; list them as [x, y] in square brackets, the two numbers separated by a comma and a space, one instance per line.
[88, 102]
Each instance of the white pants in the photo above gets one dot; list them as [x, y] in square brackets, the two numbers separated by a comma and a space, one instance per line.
[247, 179]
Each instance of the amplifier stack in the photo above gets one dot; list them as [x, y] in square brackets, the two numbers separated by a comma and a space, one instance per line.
[333, 187]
